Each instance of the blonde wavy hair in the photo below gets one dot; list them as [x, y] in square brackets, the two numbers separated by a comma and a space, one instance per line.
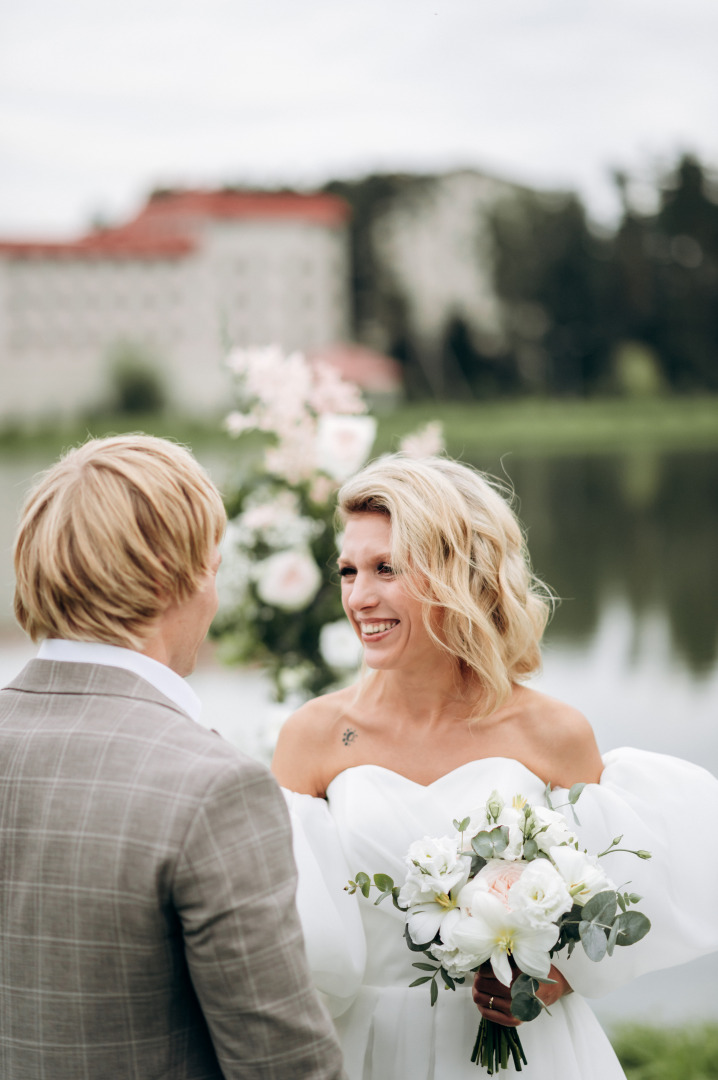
[461, 549]
[110, 535]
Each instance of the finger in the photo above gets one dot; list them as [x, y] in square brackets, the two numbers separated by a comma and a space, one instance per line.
[498, 1010]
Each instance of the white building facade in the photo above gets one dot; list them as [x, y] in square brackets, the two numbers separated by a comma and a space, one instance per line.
[195, 273]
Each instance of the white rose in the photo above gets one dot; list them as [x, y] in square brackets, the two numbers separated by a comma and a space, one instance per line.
[343, 443]
[540, 893]
[339, 645]
[288, 580]
[551, 829]
[581, 872]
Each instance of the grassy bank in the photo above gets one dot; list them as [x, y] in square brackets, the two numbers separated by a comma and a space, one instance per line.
[537, 425]
[564, 426]
[652, 1053]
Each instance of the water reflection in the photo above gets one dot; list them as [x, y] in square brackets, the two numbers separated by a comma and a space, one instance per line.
[642, 527]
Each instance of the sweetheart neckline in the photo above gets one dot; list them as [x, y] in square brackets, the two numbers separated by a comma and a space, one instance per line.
[439, 779]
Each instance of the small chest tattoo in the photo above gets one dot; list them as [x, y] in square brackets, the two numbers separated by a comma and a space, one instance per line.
[349, 736]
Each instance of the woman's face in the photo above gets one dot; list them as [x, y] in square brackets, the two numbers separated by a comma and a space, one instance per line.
[385, 617]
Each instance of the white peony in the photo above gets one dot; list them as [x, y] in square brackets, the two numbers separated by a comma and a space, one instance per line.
[540, 893]
[288, 580]
[343, 443]
[339, 646]
[582, 873]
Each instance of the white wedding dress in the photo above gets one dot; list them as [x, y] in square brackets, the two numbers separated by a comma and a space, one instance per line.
[357, 950]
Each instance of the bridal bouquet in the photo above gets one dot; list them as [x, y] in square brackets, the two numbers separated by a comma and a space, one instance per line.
[511, 887]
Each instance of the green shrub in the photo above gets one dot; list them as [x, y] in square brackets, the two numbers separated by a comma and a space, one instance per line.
[677, 1053]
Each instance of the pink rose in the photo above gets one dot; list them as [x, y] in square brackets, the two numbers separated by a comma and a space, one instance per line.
[495, 878]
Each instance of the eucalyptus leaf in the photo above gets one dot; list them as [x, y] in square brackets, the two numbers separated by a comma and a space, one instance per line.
[633, 925]
[525, 1006]
[384, 882]
[395, 898]
[363, 883]
[601, 908]
[462, 826]
[423, 979]
[613, 937]
[574, 793]
[531, 849]
[490, 844]
[424, 967]
[447, 979]
[593, 939]
[477, 863]
[524, 984]
[434, 992]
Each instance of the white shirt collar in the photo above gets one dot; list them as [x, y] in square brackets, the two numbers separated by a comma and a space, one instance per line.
[163, 678]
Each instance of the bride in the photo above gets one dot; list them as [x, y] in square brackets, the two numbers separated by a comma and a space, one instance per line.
[436, 583]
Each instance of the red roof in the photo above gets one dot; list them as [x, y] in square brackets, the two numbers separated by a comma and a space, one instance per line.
[167, 225]
[322, 209]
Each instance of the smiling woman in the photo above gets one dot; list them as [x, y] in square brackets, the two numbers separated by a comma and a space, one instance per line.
[437, 585]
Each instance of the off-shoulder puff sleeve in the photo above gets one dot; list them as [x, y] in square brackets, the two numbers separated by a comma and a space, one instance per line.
[333, 932]
[668, 807]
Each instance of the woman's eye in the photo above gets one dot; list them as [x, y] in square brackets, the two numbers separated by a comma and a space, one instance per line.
[385, 569]
[347, 571]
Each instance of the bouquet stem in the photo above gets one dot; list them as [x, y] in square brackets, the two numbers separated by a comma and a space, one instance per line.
[494, 1043]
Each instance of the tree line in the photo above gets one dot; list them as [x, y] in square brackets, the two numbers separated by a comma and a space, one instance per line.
[584, 311]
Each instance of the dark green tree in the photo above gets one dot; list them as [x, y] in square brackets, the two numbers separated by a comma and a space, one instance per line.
[552, 275]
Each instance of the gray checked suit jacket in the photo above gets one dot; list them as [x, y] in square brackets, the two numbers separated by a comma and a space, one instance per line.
[147, 919]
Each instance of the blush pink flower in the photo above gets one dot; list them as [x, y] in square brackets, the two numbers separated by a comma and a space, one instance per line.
[496, 878]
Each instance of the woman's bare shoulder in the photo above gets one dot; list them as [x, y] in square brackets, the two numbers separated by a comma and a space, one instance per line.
[562, 739]
[299, 761]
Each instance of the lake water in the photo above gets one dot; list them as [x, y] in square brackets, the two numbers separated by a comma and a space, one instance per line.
[630, 545]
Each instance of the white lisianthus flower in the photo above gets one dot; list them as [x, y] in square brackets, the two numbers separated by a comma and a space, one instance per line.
[582, 873]
[339, 645]
[435, 866]
[540, 893]
[437, 873]
[288, 580]
[343, 443]
[489, 931]
[549, 829]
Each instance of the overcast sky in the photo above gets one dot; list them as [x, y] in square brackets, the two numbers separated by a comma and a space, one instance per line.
[101, 100]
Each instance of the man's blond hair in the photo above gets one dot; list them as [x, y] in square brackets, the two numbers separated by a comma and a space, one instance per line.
[109, 536]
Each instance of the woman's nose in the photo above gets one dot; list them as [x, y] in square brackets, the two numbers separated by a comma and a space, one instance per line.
[363, 594]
